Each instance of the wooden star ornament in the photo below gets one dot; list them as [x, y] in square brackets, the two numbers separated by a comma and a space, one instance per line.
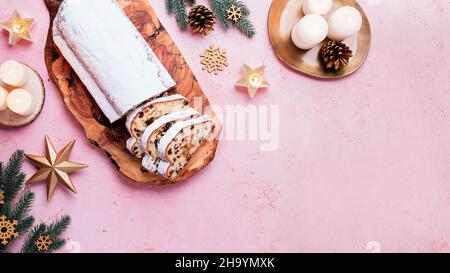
[253, 80]
[54, 167]
[18, 28]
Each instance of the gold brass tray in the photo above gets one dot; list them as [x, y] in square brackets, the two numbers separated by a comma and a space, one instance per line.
[284, 14]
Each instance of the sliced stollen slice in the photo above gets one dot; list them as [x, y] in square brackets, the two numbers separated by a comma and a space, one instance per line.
[180, 142]
[155, 131]
[143, 116]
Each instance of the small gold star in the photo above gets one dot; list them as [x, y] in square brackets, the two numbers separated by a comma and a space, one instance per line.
[54, 167]
[253, 79]
[18, 28]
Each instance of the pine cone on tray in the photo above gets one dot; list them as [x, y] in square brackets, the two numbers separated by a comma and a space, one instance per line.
[335, 55]
[201, 20]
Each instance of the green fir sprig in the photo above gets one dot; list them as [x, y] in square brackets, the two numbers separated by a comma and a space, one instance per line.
[219, 7]
[17, 206]
[179, 9]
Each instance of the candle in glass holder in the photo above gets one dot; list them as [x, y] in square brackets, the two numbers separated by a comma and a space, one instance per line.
[343, 23]
[20, 102]
[309, 31]
[3, 96]
[320, 7]
[13, 73]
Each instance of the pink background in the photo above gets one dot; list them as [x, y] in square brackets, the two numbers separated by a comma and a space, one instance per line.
[362, 159]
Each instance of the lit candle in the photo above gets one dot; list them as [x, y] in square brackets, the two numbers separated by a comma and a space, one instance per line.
[343, 23]
[320, 7]
[20, 102]
[309, 31]
[3, 96]
[13, 73]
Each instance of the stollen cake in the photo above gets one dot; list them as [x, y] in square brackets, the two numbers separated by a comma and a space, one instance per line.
[141, 117]
[180, 142]
[109, 55]
[126, 79]
[154, 132]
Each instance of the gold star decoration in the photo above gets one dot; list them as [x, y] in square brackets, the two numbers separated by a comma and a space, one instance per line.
[54, 167]
[253, 80]
[18, 28]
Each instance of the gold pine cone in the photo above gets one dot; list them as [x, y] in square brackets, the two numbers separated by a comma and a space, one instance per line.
[201, 20]
[335, 55]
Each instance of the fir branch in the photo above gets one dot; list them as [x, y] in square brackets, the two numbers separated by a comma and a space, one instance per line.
[219, 8]
[59, 226]
[178, 7]
[246, 27]
[29, 245]
[24, 225]
[12, 178]
[170, 7]
[23, 206]
[54, 230]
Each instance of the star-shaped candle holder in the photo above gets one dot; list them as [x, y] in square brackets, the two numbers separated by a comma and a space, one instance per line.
[253, 80]
[18, 28]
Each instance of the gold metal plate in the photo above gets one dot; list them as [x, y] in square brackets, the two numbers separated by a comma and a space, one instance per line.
[284, 14]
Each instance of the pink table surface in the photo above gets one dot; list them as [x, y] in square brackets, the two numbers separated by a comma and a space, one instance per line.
[363, 162]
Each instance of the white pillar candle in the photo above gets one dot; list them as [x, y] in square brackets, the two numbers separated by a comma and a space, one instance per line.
[13, 73]
[20, 102]
[309, 31]
[343, 23]
[3, 96]
[320, 7]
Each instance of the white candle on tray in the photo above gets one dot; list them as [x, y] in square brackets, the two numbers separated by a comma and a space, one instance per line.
[20, 102]
[320, 7]
[309, 31]
[343, 23]
[3, 96]
[13, 73]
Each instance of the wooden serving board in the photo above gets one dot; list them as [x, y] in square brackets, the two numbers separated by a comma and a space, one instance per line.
[112, 137]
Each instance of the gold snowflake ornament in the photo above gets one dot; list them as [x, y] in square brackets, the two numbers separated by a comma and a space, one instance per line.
[234, 13]
[7, 230]
[214, 59]
[43, 242]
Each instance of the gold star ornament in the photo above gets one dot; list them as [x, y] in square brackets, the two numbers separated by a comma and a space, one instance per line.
[18, 28]
[253, 80]
[54, 167]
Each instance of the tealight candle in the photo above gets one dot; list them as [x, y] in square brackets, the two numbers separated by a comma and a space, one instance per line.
[343, 23]
[13, 73]
[3, 96]
[20, 102]
[309, 31]
[320, 7]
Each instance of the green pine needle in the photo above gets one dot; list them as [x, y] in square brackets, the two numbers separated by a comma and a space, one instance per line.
[12, 178]
[59, 226]
[23, 206]
[29, 244]
[11, 182]
[170, 7]
[54, 230]
[219, 8]
[178, 7]
[246, 27]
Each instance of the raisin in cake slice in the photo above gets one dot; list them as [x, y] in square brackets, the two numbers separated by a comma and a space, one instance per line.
[155, 131]
[142, 117]
[180, 142]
